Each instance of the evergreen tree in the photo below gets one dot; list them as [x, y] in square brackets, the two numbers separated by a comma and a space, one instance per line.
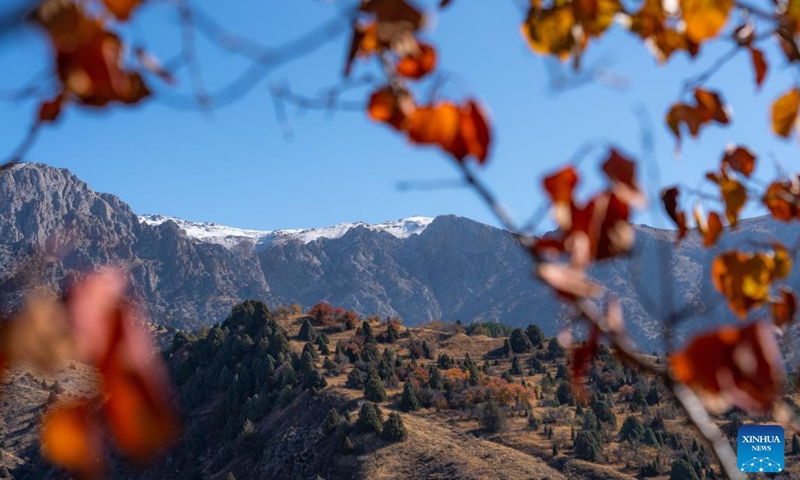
[795, 445]
[374, 390]
[392, 335]
[632, 430]
[562, 373]
[307, 332]
[535, 335]
[410, 401]
[516, 368]
[369, 418]
[347, 445]
[520, 343]
[332, 421]
[564, 394]
[604, 413]
[492, 418]
[682, 470]
[366, 332]
[653, 397]
[507, 350]
[588, 445]
[554, 350]
[394, 430]
[650, 438]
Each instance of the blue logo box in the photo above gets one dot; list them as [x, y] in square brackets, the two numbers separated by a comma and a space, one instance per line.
[761, 448]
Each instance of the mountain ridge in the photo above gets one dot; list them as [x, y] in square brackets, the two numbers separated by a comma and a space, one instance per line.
[449, 268]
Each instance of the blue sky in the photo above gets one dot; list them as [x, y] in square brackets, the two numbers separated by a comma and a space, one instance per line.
[234, 166]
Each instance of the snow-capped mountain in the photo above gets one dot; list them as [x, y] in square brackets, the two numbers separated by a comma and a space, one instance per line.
[231, 236]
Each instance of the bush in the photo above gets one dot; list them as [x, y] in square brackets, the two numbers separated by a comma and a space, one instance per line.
[492, 418]
[394, 430]
[369, 418]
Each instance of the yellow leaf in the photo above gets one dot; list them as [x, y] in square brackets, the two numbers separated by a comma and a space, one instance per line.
[705, 18]
[784, 112]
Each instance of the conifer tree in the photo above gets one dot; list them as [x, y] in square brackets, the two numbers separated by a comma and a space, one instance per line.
[516, 368]
[374, 390]
[307, 332]
[332, 421]
[410, 401]
[394, 430]
[369, 418]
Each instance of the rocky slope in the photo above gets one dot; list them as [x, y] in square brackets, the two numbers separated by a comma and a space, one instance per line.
[449, 267]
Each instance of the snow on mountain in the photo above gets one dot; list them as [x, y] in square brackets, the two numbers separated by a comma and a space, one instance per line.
[230, 236]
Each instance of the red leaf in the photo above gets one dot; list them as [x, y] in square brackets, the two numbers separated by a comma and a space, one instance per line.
[50, 110]
[784, 309]
[669, 197]
[622, 173]
[733, 366]
[759, 65]
[739, 159]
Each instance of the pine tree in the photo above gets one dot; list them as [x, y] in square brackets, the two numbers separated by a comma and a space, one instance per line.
[307, 332]
[410, 401]
[564, 394]
[507, 350]
[588, 445]
[520, 343]
[554, 350]
[492, 418]
[516, 368]
[682, 470]
[374, 390]
[332, 421]
[366, 331]
[369, 418]
[535, 335]
[632, 430]
[392, 335]
[347, 445]
[394, 430]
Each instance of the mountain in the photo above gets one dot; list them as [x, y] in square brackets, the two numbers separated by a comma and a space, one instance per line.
[191, 274]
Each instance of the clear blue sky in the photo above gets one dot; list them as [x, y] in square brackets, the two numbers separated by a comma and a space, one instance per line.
[233, 166]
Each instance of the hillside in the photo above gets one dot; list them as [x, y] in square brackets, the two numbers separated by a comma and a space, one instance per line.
[282, 395]
[189, 275]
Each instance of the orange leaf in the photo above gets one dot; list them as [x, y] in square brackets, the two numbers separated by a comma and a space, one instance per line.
[419, 64]
[72, 438]
[364, 42]
[745, 279]
[784, 309]
[782, 199]
[710, 228]
[475, 131]
[439, 124]
[705, 18]
[733, 366]
[385, 106]
[759, 65]
[784, 112]
[740, 159]
[561, 184]
[734, 194]
[122, 9]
